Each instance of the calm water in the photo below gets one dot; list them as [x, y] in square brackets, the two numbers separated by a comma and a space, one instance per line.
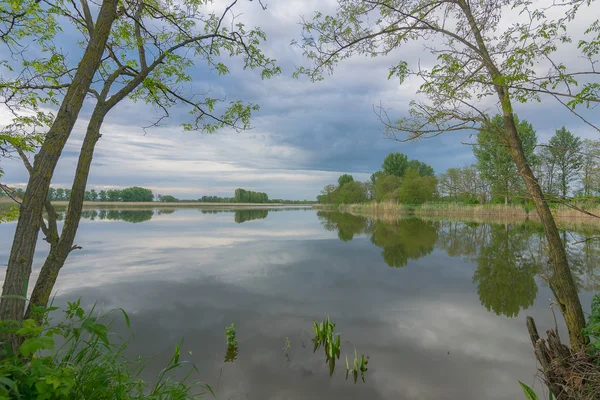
[438, 306]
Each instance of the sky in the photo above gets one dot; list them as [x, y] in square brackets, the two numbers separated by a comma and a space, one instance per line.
[304, 136]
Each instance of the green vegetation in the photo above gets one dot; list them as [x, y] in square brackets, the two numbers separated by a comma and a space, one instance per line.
[127, 195]
[331, 342]
[216, 199]
[167, 198]
[401, 180]
[592, 330]
[132, 51]
[232, 345]
[248, 196]
[75, 359]
[495, 164]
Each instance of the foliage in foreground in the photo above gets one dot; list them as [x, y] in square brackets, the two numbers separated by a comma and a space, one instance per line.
[592, 329]
[75, 359]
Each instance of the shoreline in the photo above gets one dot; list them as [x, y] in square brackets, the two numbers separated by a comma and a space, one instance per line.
[565, 217]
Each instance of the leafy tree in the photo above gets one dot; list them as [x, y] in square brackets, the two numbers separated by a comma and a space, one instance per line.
[327, 193]
[386, 187]
[416, 189]
[114, 195]
[590, 169]
[167, 198]
[395, 164]
[60, 194]
[248, 196]
[494, 161]
[51, 194]
[93, 195]
[352, 193]
[102, 195]
[152, 46]
[476, 61]
[344, 179]
[565, 152]
[424, 169]
[137, 194]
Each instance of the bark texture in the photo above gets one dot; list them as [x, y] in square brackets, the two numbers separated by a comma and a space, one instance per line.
[60, 250]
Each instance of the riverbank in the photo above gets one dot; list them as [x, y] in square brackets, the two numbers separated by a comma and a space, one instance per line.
[499, 213]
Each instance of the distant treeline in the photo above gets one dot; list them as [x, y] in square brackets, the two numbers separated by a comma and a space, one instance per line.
[140, 194]
[248, 196]
[565, 167]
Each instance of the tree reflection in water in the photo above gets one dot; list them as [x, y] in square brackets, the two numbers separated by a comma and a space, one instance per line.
[508, 256]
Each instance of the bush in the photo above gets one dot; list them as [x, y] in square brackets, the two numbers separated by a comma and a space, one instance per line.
[85, 366]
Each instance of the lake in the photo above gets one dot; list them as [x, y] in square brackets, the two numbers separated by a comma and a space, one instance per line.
[438, 306]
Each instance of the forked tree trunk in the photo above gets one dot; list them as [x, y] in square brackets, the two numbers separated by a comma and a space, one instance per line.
[23, 247]
[59, 253]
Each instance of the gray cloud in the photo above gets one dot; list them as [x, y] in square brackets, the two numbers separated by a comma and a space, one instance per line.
[304, 136]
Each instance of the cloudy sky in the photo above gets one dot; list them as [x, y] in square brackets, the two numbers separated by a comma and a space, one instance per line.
[304, 136]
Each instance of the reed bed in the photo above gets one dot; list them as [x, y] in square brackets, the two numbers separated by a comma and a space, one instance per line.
[566, 217]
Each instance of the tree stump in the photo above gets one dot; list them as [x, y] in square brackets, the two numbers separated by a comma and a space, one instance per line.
[568, 375]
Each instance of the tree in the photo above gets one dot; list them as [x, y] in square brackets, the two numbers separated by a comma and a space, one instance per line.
[60, 194]
[424, 169]
[565, 151]
[395, 164]
[167, 198]
[386, 187]
[113, 195]
[51, 194]
[102, 195]
[342, 180]
[136, 194]
[416, 189]
[28, 225]
[476, 62]
[494, 161]
[327, 192]
[151, 47]
[464, 184]
[93, 195]
[352, 193]
[590, 170]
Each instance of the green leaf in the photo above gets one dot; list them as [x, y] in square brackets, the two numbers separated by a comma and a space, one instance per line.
[10, 384]
[529, 393]
[32, 345]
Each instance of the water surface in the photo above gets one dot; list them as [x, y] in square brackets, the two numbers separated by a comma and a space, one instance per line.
[438, 306]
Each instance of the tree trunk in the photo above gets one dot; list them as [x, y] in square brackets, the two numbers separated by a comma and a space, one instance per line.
[21, 257]
[561, 282]
[58, 255]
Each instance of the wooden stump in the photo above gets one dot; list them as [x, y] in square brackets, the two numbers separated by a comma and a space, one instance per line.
[568, 375]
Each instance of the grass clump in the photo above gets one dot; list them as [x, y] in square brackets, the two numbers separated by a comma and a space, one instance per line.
[76, 360]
